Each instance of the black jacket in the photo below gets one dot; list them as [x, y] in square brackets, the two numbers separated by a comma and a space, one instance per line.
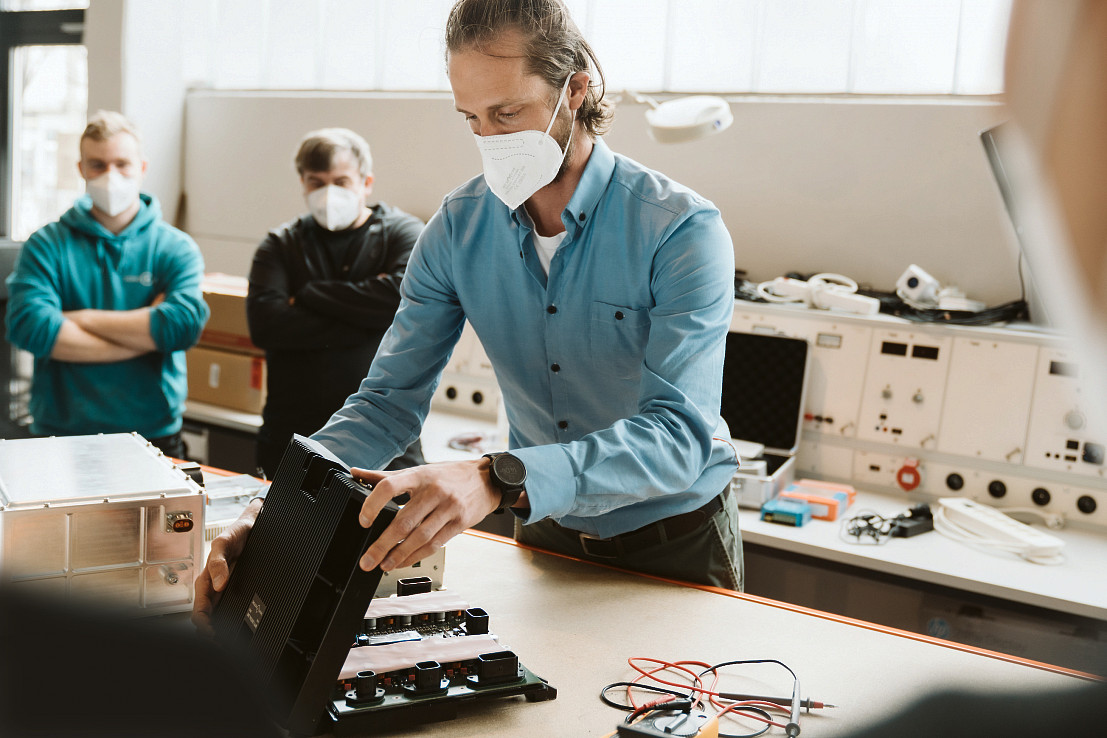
[346, 288]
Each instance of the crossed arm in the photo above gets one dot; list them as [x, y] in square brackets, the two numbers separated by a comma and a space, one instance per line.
[102, 336]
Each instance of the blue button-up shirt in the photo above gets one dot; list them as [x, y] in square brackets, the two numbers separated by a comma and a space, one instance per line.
[610, 366]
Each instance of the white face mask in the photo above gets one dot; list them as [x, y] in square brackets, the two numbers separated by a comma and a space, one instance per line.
[516, 165]
[333, 207]
[112, 193]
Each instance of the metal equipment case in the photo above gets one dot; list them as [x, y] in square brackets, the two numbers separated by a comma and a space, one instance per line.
[764, 383]
[107, 517]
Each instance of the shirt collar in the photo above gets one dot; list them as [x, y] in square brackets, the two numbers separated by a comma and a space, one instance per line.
[593, 182]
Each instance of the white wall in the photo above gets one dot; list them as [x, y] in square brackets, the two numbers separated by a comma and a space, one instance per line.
[858, 186]
[103, 38]
[135, 67]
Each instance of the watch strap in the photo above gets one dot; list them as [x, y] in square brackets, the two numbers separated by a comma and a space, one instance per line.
[510, 491]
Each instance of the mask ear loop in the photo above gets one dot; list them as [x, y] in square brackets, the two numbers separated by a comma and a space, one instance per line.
[572, 120]
[557, 105]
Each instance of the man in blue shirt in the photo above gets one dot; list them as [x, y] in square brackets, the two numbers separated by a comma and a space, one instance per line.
[602, 293]
[107, 300]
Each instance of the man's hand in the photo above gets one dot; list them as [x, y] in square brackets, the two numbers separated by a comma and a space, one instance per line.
[446, 498]
[213, 580]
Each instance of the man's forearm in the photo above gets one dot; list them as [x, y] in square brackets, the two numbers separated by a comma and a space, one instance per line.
[127, 328]
[79, 346]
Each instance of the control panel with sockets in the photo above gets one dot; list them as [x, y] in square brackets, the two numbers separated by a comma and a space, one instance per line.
[994, 414]
[904, 388]
[1067, 435]
[468, 384]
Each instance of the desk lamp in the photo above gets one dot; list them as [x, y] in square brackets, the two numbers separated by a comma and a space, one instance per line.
[685, 118]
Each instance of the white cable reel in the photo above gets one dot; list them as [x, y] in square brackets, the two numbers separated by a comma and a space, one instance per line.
[825, 291]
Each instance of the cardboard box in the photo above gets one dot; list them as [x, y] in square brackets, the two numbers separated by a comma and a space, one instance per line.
[227, 328]
[228, 379]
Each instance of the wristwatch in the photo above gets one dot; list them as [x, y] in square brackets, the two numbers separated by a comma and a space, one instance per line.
[508, 473]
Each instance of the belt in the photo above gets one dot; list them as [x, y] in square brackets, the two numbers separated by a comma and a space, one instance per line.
[648, 535]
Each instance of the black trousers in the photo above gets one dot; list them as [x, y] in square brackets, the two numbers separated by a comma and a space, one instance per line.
[171, 445]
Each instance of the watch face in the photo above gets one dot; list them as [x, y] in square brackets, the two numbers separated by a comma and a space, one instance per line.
[509, 469]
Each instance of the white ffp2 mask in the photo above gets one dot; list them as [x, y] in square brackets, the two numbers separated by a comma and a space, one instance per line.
[333, 207]
[111, 192]
[516, 165]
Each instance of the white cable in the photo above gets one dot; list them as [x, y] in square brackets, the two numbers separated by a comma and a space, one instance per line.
[828, 282]
[1053, 521]
[841, 282]
[915, 303]
[817, 284]
[950, 529]
[764, 289]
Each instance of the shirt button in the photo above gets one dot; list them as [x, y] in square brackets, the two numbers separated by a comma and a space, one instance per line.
[555, 367]
[563, 424]
[619, 315]
[551, 309]
[581, 216]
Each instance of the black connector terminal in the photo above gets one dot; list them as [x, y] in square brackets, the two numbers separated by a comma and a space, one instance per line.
[413, 585]
[476, 621]
[919, 519]
[499, 667]
[909, 528]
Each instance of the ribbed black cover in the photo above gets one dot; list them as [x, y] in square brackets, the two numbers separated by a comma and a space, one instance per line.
[763, 383]
[296, 595]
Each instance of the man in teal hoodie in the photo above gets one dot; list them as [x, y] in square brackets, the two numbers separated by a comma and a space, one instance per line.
[107, 300]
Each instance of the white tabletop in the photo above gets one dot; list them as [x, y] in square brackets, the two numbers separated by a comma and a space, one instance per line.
[1078, 586]
[441, 428]
[575, 624]
[222, 416]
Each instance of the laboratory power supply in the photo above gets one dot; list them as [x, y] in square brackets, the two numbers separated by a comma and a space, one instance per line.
[995, 414]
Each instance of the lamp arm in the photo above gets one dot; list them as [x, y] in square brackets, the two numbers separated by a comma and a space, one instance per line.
[640, 98]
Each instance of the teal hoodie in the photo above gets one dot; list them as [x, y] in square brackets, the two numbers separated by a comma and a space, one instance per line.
[76, 263]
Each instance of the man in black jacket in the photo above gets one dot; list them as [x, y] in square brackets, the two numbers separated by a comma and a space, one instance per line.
[324, 289]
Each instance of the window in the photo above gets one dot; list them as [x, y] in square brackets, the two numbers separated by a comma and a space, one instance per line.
[51, 91]
[943, 47]
[42, 4]
[43, 94]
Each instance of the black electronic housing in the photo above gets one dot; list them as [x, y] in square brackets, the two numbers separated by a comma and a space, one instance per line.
[296, 594]
[297, 598]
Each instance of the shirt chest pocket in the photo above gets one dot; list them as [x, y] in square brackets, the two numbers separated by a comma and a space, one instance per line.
[617, 339]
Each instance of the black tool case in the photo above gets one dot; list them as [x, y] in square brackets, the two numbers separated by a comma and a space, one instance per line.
[764, 386]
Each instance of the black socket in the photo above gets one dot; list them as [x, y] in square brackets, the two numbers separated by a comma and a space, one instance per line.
[476, 621]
